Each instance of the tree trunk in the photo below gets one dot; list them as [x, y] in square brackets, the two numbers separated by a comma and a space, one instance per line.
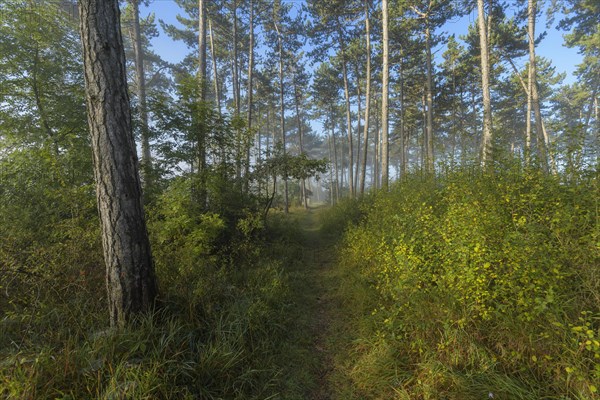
[403, 144]
[202, 193]
[250, 76]
[130, 278]
[138, 49]
[214, 65]
[429, 88]
[367, 101]
[348, 117]
[282, 110]
[335, 158]
[535, 98]
[236, 92]
[486, 155]
[300, 139]
[202, 48]
[528, 119]
[358, 118]
[385, 157]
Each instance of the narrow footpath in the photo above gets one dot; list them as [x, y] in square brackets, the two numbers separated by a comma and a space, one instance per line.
[316, 296]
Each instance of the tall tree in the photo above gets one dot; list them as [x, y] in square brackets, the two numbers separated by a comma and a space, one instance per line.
[533, 86]
[385, 156]
[367, 99]
[249, 93]
[130, 278]
[486, 149]
[138, 48]
[276, 21]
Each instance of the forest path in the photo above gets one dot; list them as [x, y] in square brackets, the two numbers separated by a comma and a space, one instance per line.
[317, 297]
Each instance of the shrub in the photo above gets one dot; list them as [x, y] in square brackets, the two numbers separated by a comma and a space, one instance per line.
[484, 275]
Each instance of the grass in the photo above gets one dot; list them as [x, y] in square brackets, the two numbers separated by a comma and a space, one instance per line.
[403, 333]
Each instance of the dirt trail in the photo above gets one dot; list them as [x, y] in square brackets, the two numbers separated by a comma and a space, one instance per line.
[319, 258]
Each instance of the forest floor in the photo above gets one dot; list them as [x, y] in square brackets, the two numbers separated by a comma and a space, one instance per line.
[315, 283]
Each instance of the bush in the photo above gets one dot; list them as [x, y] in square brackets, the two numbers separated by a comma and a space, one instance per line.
[483, 282]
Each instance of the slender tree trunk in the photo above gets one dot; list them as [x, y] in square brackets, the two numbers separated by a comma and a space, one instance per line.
[528, 119]
[202, 194]
[358, 118]
[377, 149]
[300, 138]
[348, 117]
[535, 99]
[202, 48]
[250, 77]
[214, 66]
[385, 157]
[138, 49]
[282, 110]
[130, 278]
[367, 100]
[236, 92]
[429, 161]
[403, 145]
[35, 86]
[424, 129]
[486, 155]
[335, 158]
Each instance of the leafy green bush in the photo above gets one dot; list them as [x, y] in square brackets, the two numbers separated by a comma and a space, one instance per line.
[483, 284]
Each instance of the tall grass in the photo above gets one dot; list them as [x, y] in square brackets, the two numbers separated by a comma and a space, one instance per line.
[222, 331]
[470, 286]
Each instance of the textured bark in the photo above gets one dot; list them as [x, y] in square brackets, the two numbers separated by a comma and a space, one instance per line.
[486, 155]
[385, 157]
[130, 278]
[367, 101]
[140, 76]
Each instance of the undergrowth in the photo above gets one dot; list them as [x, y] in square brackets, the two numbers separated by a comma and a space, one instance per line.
[471, 286]
[222, 330]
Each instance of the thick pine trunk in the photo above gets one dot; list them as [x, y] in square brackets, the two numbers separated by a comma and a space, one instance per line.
[130, 278]
[385, 158]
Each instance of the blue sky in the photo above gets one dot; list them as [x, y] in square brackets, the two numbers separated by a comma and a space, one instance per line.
[565, 59]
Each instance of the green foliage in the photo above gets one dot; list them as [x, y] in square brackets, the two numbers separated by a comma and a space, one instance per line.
[345, 214]
[226, 298]
[483, 284]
